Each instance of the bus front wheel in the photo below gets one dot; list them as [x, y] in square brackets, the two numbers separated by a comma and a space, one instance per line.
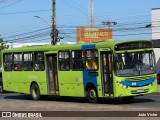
[35, 92]
[92, 95]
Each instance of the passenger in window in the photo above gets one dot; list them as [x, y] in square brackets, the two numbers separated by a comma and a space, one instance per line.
[36, 67]
[64, 66]
[95, 54]
[94, 64]
[91, 64]
[61, 66]
[88, 64]
[16, 67]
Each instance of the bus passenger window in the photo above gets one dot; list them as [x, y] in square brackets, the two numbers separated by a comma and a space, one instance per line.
[77, 60]
[64, 60]
[18, 62]
[8, 62]
[28, 61]
[39, 61]
[91, 59]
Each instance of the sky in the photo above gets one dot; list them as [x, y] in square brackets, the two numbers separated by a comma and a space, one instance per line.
[18, 24]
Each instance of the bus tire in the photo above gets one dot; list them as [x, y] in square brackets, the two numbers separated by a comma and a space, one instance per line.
[92, 95]
[35, 92]
[127, 99]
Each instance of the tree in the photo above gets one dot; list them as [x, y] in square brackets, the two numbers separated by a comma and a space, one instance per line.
[2, 46]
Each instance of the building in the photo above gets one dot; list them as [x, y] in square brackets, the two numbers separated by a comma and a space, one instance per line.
[156, 35]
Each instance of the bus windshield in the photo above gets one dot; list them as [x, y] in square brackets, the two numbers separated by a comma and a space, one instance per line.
[134, 63]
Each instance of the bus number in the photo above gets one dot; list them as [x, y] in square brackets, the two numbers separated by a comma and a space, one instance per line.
[134, 84]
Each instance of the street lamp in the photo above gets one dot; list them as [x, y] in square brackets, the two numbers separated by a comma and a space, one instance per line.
[53, 33]
[43, 21]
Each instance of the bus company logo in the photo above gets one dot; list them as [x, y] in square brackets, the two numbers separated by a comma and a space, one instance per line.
[6, 114]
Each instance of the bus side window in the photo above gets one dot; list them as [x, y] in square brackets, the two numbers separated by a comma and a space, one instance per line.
[39, 61]
[64, 60]
[18, 62]
[77, 60]
[7, 62]
[28, 61]
[91, 59]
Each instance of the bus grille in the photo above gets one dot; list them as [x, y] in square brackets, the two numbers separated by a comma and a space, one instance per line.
[135, 91]
[138, 86]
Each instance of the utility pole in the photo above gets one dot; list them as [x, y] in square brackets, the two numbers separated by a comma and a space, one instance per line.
[91, 13]
[54, 32]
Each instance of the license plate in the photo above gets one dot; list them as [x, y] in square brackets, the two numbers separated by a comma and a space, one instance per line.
[140, 90]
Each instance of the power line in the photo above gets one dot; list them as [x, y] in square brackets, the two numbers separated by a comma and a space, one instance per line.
[24, 12]
[16, 1]
[27, 33]
[39, 35]
[73, 6]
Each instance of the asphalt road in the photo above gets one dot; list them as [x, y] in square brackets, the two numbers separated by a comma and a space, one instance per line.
[21, 102]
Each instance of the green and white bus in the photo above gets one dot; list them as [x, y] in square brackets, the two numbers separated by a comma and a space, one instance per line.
[93, 70]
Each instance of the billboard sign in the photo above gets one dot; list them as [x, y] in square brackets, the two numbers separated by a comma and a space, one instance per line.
[92, 34]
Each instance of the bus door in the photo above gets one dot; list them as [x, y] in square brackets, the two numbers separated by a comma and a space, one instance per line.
[106, 68]
[52, 74]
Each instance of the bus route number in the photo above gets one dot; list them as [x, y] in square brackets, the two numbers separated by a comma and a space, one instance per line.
[134, 84]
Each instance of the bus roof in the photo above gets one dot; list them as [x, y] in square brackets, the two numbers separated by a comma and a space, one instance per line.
[109, 44]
